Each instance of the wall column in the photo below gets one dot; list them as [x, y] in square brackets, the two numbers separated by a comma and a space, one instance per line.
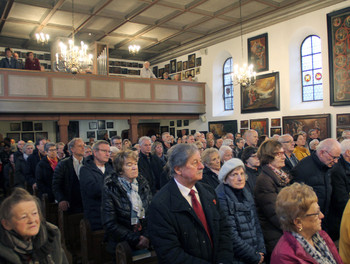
[63, 123]
[133, 122]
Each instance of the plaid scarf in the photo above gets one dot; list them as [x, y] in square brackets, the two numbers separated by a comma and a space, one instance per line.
[320, 252]
[281, 175]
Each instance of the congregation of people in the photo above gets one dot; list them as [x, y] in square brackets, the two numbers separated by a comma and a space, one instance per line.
[199, 198]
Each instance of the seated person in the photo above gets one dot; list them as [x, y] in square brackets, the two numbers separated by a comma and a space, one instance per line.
[125, 200]
[166, 76]
[32, 63]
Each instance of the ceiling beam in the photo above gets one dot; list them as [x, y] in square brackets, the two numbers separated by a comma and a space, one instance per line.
[5, 13]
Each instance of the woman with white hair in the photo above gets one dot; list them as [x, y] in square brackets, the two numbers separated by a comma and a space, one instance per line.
[225, 154]
[211, 160]
[238, 205]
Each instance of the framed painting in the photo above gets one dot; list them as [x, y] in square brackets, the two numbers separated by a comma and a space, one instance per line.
[112, 133]
[258, 52]
[164, 129]
[27, 136]
[221, 128]
[27, 126]
[90, 134]
[161, 72]
[193, 132]
[15, 126]
[244, 123]
[343, 119]
[275, 122]
[199, 61]
[92, 125]
[101, 124]
[183, 75]
[185, 65]
[15, 136]
[38, 126]
[275, 131]
[179, 123]
[172, 123]
[295, 124]
[178, 133]
[110, 125]
[41, 135]
[262, 96]
[340, 131]
[260, 125]
[100, 134]
[192, 60]
[338, 23]
[172, 131]
[186, 122]
[243, 130]
[179, 66]
[173, 66]
[198, 70]
[166, 69]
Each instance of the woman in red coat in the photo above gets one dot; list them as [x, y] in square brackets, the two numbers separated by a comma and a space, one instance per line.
[303, 240]
[32, 63]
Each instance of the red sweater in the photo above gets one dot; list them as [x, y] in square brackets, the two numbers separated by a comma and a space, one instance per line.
[32, 65]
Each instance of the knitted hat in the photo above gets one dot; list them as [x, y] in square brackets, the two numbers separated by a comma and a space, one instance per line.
[229, 166]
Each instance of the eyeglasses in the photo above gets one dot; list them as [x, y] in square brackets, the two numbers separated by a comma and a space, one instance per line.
[52, 150]
[333, 157]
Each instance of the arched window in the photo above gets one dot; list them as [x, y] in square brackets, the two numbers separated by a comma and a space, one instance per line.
[228, 86]
[311, 69]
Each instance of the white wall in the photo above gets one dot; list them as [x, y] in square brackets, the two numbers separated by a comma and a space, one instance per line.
[118, 125]
[284, 40]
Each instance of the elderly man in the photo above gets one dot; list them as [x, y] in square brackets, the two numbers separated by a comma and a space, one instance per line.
[92, 175]
[288, 146]
[66, 181]
[146, 71]
[314, 171]
[340, 179]
[19, 152]
[150, 166]
[186, 224]
[21, 164]
[218, 143]
[229, 136]
[251, 138]
[197, 136]
[117, 142]
[166, 142]
[190, 139]
[346, 134]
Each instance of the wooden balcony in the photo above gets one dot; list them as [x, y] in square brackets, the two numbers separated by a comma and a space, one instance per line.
[63, 93]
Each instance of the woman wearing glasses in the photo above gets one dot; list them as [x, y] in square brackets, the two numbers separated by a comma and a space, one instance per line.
[268, 184]
[303, 240]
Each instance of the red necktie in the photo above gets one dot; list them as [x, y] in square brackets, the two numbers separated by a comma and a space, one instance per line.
[199, 212]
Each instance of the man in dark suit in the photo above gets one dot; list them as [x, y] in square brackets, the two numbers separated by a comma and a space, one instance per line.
[65, 182]
[186, 224]
[288, 146]
[8, 61]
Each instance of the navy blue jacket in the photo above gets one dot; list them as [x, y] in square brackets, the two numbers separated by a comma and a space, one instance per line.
[4, 63]
[178, 235]
[91, 185]
[246, 236]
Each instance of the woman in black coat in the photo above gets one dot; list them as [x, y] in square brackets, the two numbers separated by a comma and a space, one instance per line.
[125, 200]
[268, 184]
[238, 205]
[211, 160]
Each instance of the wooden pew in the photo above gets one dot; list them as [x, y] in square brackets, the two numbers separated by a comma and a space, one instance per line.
[69, 225]
[93, 248]
[49, 210]
[124, 255]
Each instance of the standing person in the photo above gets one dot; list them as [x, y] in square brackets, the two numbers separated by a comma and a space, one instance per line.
[211, 160]
[19, 152]
[66, 182]
[92, 175]
[146, 71]
[117, 142]
[344, 241]
[32, 63]
[186, 223]
[252, 167]
[251, 138]
[8, 61]
[240, 142]
[21, 164]
[303, 239]
[157, 149]
[288, 146]
[166, 142]
[268, 184]
[314, 171]
[300, 151]
[44, 171]
[238, 205]
[60, 150]
[18, 61]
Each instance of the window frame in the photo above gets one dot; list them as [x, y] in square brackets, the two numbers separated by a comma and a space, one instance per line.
[226, 85]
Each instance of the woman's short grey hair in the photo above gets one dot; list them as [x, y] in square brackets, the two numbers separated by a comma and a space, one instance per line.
[227, 142]
[206, 155]
[223, 149]
[314, 143]
[179, 155]
[28, 144]
[48, 146]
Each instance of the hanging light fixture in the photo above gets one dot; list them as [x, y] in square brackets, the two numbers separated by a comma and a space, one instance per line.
[245, 75]
[73, 58]
[134, 49]
[42, 38]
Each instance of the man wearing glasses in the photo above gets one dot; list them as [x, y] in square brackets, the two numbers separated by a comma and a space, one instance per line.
[92, 175]
[288, 146]
[314, 171]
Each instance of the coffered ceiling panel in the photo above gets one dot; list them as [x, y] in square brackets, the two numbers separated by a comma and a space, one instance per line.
[27, 12]
[100, 23]
[185, 19]
[160, 33]
[213, 6]
[65, 18]
[13, 30]
[130, 28]
[157, 12]
[83, 6]
[210, 25]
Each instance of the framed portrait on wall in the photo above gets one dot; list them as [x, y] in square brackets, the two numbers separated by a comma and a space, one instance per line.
[258, 52]
[260, 125]
[90, 134]
[275, 131]
[221, 128]
[244, 123]
[192, 60]
[173, 66]
[275, 122]
[179, 66]
[15, 126]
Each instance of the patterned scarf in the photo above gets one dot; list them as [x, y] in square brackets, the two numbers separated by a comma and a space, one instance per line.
[281, 175]
[53, 162]
[132, 190]
[320, 252]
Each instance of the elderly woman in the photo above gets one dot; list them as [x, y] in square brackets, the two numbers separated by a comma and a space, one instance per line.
[44, 171]
[303, 240]
[238, 205]
[300, 151]
[125, 200]
[225, 153]
[25, 237]
[211, 160]
[158, 150]
[313, 145]
[200, 147]
[268, 184]
[126, 144]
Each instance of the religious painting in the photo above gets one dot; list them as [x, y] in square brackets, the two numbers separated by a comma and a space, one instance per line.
[185, 65]
[260, 125]
[295, 124]
[179, 66]
[199, 61]
[258, 52]
[221, 128]
[338, 24]
[261, 96]
[173, 66]
[90, 134]
[192, 60]
[244, 123]
[343, 119]
[15, 126]
[15, 136]
[275, 122]
[275, 131]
